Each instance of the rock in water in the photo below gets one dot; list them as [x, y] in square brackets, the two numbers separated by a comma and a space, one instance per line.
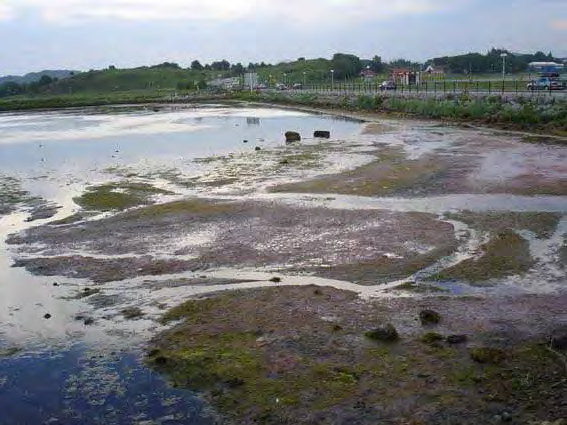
[387, 333]
[292, 136]
[322, 134]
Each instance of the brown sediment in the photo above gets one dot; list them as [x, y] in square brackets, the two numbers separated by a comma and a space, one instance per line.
[368, 246]
[299, 356]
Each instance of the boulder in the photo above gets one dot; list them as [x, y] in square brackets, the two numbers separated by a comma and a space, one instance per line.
[292, 136]
[387, 333]
[457, 339]
[429, 317]
[322, 134]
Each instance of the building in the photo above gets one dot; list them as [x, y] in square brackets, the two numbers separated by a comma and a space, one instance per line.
[405, 76]
[367, 74]
[435, 71]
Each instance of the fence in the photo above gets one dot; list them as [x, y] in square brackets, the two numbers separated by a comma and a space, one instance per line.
[480, 87]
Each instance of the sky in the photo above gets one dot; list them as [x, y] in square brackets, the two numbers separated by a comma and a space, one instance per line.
[94, 34]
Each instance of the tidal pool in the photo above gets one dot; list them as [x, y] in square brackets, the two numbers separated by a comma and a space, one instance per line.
[191, 200]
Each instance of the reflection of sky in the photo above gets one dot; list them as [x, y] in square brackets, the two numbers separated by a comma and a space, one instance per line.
[58, 144]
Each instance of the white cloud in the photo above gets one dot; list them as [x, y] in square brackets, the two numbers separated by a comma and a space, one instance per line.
[315, 12]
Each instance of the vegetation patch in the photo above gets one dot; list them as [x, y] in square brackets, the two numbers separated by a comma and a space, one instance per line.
[192, 207]
[11, 194]
[543, 224]
[118, 196]
[390, 174]
[507, 254]
[268, 356]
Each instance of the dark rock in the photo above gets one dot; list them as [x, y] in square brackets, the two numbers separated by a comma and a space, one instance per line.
[322, 134]
[457, 339]
[276, 279]
[88, 321]
[558, 340]
[292, 136]
[160, 361]
[337, 328]
[55, 284]
[284, 162]
[487, 355]
[429, 317]
[47, 316]
[234, 383]
[257, 148]
[245, 141]
[387, 333]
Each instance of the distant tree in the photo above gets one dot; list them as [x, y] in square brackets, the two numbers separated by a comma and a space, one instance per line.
[223, 65]
[376, 64]
[346, 66]
[237, 69]
[196, 66]
[11, 89]
[45, 80]
[172, 65]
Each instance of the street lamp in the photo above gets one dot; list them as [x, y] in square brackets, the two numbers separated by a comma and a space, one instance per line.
[503, 56]
[304, 79]
[332, 79]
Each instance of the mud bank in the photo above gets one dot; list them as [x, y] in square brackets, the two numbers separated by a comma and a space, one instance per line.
[258, 354]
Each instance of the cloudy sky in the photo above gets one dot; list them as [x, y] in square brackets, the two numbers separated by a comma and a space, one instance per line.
[85, 34]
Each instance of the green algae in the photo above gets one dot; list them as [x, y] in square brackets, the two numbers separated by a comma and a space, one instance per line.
[118, 196]
[507, 254]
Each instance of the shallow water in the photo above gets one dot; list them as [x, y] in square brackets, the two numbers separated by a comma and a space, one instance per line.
[55, 155]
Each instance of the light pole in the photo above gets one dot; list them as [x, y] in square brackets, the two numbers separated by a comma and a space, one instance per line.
[332, 79]
[285, 78]
[304, 79]
[503, 56]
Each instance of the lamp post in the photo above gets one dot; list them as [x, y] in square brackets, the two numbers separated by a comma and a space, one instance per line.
[285, 78]
[503, 56]
[332, 79]
[304, 79]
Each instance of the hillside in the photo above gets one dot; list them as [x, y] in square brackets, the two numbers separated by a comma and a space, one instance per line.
[36, 76]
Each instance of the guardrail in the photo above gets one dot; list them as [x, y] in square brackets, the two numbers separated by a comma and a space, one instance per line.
[514, 87]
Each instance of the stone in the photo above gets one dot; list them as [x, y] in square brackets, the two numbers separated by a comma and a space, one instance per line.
[47, 316]
[258, 148]
[457, 339]
[292, 136]
[429, 317]
[322, 134]
[276, 279]
[558, 339]
[88, 321]
[387, 333]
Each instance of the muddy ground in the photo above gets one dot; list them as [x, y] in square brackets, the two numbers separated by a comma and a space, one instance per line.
[300, 355]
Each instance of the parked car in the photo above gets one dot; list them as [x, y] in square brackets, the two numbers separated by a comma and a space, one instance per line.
[546, 83]
[388, 85]
[280, 86]
[298, 86]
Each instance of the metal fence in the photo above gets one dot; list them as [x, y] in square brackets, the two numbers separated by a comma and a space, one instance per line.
[443, 87]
